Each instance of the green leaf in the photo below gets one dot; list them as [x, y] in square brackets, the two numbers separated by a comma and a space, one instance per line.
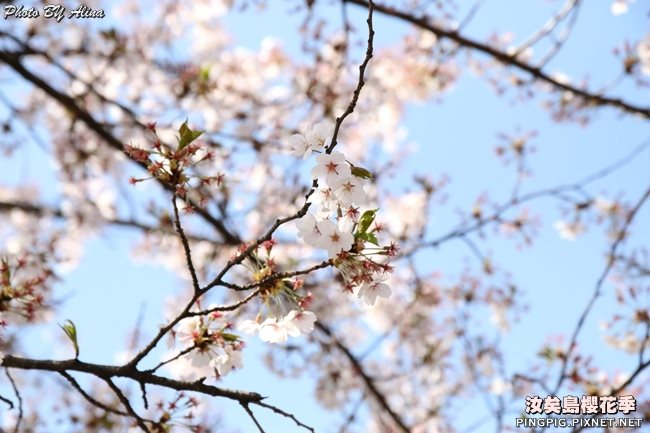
[229, 337]
[187, 135]
[71, 331]
[366, 220]
[368, 237]
[204, 73]
[361, 172]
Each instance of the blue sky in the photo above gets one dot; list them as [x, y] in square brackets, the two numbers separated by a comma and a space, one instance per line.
[455, 137]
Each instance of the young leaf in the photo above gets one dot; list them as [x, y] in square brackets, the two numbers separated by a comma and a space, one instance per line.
[187, 135]
[361, 172]
[368, 237]
[366, 220]
[71, 331]
[229, 337]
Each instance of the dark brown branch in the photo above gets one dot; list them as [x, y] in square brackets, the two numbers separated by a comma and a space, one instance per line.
[127, 405]
[367, 380]
[43, 210]
[12, 60]
[361, 81]
[598, 289]
[186, 246]
[285, 414]
[252, 416]
[277, 276]
[464, 228]
[18, 396]
[108, 371]
[88, 397]
[7, 402]
[617, 391]
[507, 59]
[172, 359]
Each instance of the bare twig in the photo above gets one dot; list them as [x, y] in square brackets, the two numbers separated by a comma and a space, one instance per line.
[360, 83]
[13, 60]
[598, 289]
[127, 405]
[127, 371]
[7, 402]
[252, 416]
[18, 396]
[186, 247]
[284, 414]
[379, 397]
[508, 59]
[88, 397]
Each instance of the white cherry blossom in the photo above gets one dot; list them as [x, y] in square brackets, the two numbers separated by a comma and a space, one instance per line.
[333, 239]
[325, 199]
[248, 326]
[376, 289]
[299, 146]
[320, 135]
[332, 168]
[619, 7]
[273, 331]
[302, 321]
[189, 329]
[308, 230]
[569, 231]
[228, 361]
[350, 191]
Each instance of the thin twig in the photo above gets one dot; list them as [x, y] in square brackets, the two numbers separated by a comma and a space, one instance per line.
[127, 405]
[284, 414]
[18, 397]
[598, 288]
[361, 81]
[379, 397]
[172, 359]
[7, 402]
[88, 397]
[186, 246]
[507, 59]
[252, 416]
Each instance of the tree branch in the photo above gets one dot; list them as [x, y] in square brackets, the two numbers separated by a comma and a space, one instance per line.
[12, 60]
[367, 380]
[508, 59]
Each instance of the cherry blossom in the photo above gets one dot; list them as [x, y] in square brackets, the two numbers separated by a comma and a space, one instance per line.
[273, 330]
[350, 191]
[332, 238]
[332, 167]
[374, 289]
[303, 321]
[308, 230]
[569, 231]
[300, 147]
[319, 135]
[226, 362]
[619, 7]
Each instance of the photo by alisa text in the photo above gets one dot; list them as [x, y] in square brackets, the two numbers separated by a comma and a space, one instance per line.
[56, 12]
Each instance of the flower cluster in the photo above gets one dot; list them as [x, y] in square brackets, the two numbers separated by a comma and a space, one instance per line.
[23, 287]
[338, 226]
[178, 412]
[210, 347]
[285, 307]
[171, 166]
[274, 330]
[313, 140]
